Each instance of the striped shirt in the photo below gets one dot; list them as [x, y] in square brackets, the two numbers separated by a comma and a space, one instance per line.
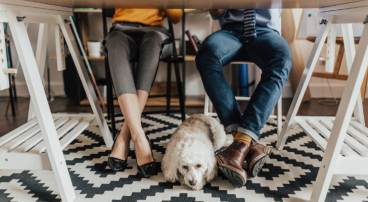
[264, 17]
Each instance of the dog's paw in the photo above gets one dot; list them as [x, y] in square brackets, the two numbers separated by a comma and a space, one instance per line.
[197, 187]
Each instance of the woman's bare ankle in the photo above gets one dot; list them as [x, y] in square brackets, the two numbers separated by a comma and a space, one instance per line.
[142, 149]
[121, 147]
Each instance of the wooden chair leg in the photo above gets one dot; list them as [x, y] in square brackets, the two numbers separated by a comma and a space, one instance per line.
[14, 90]
[180, 92]
[111, 102]
[107, 77]
[11, 98]
[168, 89]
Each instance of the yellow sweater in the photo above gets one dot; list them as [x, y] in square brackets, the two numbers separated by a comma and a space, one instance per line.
[147, 16]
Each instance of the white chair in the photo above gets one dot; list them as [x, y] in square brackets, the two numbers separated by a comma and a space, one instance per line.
[208, 107]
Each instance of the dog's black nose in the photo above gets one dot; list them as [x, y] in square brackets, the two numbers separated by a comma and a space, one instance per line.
[193, 182]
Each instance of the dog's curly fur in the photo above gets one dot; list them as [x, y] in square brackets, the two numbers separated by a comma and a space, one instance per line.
[190, 153]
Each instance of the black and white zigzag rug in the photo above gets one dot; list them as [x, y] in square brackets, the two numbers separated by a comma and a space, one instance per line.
[288, 175]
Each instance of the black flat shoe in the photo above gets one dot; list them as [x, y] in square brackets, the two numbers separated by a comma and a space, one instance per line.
[146, 170]
[114, 163]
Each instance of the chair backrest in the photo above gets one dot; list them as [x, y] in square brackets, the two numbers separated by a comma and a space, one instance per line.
[106, 13]
[110, 13]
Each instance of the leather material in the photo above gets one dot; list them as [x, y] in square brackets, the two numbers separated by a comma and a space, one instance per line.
[146, 170]
[115, 163]
[233, 157]
[256, 152]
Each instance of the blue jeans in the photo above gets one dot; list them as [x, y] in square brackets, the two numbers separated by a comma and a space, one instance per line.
[269, 51]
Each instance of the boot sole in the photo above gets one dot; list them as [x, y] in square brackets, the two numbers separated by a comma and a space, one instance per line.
[235, 178]
[258, 165]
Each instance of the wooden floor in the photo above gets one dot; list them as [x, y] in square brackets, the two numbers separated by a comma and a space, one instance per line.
[60, 104]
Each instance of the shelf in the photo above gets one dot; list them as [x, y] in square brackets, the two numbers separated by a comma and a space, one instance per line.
[95, 58]
[27, 143]
[87, 10]
[319, 129]
[100, 11]
[190, 58]
[187, 58]
[195, 11]
[159, 102]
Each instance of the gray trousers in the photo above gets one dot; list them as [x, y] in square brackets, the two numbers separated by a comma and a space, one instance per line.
[127, 42]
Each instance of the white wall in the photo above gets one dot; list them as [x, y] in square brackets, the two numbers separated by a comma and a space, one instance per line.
[56, 78]
[198, 24]
[320, 86]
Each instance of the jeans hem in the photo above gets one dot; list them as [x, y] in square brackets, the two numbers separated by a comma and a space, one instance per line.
[250, 133]
[232, 127]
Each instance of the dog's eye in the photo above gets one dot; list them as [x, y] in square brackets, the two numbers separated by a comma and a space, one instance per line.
[185, 167]
[199, 165]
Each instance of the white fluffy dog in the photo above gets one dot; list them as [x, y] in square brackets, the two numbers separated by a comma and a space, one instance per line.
[190, 153]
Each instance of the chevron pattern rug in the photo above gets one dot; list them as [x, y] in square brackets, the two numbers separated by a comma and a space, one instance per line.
[288, 175]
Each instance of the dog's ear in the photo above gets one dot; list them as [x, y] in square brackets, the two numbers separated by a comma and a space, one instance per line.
[169, 167]
[211, 172]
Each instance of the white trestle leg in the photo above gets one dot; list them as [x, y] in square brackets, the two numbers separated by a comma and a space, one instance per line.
[341, 123]
[40, 104]
[83, 75]
[348, 37]
[43, 36]
[39, 143]
[343, 138]
[60, 53]
[303, 84]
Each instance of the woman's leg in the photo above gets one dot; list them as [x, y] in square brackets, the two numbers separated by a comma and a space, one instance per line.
[121, 48]
[132, 105]
[129, 105]
[121, 149]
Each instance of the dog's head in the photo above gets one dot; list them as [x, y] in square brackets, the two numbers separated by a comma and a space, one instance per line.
[194, 160]
[196, 171]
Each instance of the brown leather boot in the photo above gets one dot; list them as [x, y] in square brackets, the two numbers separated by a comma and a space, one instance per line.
[256, 158]
[230, 163]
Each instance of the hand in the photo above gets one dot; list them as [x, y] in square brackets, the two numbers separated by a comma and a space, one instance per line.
[217, 12]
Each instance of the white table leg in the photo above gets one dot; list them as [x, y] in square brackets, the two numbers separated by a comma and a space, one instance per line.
[348, 37]
[42, 41]
[206, 104]
[343, 117]
[330, 49]
[41, 107]
[59, 44]
[210, 105]
[304, 81]
[83, 75]
[279, 116]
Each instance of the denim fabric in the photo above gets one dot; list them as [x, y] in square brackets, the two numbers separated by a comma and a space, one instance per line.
[269, 51]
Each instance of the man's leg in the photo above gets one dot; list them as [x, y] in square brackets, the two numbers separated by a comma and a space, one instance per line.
[270, 52]
[216, 51]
